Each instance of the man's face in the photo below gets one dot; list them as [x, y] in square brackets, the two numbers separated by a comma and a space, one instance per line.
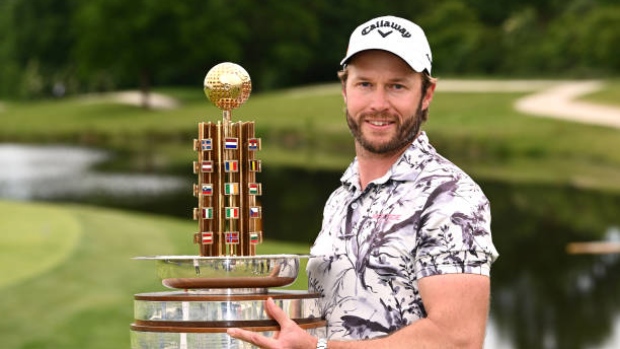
[383, 96]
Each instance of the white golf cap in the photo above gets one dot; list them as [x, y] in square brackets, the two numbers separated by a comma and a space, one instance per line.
[396, 35]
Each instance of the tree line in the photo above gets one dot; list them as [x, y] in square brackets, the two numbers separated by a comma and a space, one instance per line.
[58, 47]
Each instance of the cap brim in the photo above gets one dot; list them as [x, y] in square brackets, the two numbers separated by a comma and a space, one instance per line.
[415, 65]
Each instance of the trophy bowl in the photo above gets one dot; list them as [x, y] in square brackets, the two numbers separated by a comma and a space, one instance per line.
[227, 272]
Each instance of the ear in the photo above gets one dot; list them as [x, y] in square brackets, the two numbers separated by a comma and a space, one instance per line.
[344, 94]
[428, 97]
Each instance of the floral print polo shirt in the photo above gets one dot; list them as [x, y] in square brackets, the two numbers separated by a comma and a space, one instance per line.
[424, 217]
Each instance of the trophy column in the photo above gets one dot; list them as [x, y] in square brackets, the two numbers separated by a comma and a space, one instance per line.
[229, 213]
[225, 285]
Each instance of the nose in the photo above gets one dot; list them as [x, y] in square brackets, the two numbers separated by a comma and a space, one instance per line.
[379, 100]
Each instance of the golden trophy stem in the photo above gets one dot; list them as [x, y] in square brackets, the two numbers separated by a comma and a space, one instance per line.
[226, 114]
[221, 226]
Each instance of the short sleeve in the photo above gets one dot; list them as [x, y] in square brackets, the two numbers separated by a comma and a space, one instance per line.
[455, 235]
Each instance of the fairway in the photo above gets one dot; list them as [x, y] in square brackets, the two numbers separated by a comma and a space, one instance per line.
[34, 239]
[68, 277]
[82, 296]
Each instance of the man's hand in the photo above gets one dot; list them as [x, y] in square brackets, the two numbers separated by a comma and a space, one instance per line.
[290, 336]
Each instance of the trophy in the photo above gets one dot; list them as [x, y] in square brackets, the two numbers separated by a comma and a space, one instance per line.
[227, 283]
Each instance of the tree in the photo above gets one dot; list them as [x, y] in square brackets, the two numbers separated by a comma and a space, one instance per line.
[117, 38]
[584, 40]
[281, 45]
[36, 39]
[455, 34]
[599, 42]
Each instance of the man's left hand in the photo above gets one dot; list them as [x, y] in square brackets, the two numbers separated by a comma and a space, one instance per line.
[290, 336]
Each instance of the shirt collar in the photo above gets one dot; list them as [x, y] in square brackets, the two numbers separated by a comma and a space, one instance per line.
[406, 168]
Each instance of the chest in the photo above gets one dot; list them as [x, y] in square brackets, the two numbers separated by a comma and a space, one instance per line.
[375, 224]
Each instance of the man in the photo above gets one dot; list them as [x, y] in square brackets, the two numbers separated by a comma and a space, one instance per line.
[404, 254]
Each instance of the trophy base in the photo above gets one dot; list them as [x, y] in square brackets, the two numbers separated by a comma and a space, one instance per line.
[202, 340]
[200, 319]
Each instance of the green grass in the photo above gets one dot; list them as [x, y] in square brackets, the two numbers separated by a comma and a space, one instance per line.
[610, 94]
[33, 246]
[76, 274]
[489, 139]
[304, 127]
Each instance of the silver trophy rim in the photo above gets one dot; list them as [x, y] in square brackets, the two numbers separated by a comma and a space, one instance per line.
[192, 258]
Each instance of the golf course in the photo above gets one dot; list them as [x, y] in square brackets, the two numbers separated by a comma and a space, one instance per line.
[67, 274]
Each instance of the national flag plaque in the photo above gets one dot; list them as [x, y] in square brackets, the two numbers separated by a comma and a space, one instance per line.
[254, 189]
[254, 144]
[231, 166]
[207, 189]
[206, 144]
[255, 165]
[255, 212]
[207, 237]
[232, 237]
[256, 237]
[207, 213]
[231, 143]
[206, 166]
[231, 188]
[232, 212]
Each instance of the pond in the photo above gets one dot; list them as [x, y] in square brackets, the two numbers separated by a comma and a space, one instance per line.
[542, 297]
[63, 173]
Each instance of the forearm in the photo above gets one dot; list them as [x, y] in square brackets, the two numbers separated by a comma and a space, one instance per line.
[421, 334]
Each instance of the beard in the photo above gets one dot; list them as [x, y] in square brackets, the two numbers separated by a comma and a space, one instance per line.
[404, 136]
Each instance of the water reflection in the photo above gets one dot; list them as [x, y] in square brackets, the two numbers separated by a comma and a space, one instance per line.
[65, 173]
[542, 296]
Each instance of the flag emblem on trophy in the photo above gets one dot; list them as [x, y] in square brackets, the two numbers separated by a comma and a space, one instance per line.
[207, 144]
[254, 189]
[231, 188]
[254, 144]
[255, 212]
[206, 166]
[231, 143]
[207, 237]
[232, 237]
[207, 189]
[255, 165]
[255, 237]
[231, 166]
[232, 212]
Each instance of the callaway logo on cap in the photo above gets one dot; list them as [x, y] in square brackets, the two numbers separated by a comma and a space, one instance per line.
[396, 35]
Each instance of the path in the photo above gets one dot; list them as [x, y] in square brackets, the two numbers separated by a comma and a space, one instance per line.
[561, 102]
[156, 100]
[554, 99]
